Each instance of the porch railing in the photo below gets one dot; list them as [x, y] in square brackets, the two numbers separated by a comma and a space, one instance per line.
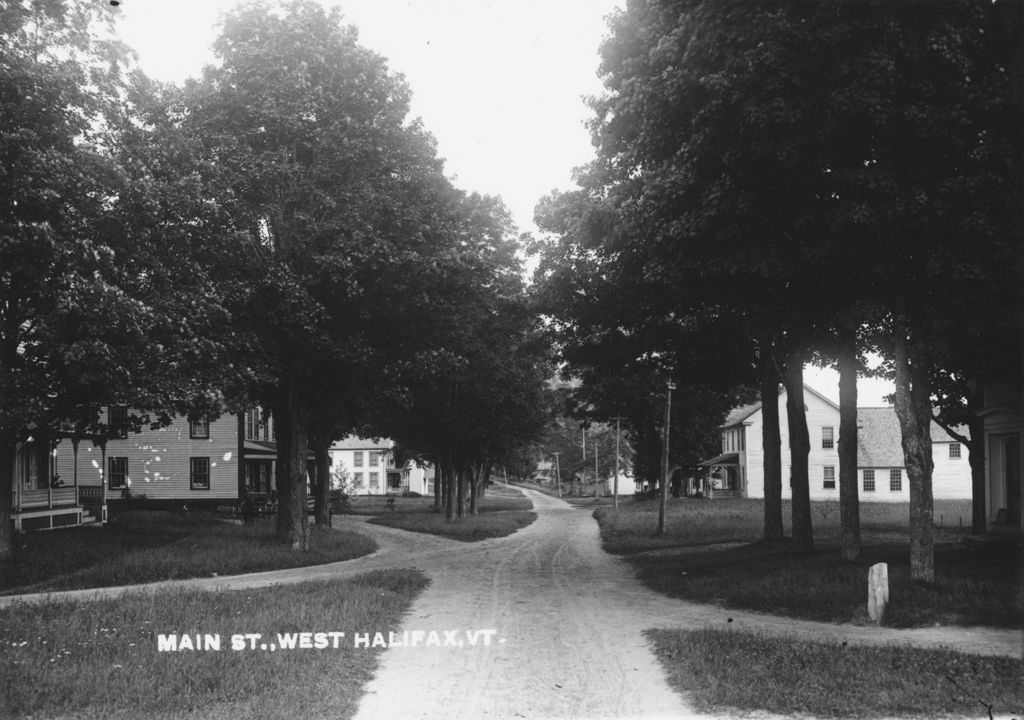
[62, 496]
[90, 494]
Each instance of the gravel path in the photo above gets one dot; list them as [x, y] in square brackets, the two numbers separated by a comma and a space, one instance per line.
[567, 622]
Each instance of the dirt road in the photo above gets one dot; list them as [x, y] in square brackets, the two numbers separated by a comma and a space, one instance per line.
[568, 644]
[569, 621]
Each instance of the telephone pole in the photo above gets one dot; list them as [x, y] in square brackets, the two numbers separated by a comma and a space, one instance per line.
[558, 475]
[664, 458]
[615, 481]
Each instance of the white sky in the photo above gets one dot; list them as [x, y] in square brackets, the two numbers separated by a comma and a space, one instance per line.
[499, 84]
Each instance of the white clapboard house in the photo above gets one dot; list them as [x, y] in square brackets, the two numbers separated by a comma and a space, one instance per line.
[739, 470]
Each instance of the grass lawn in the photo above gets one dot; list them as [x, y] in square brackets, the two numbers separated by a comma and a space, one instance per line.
[101, 659]
[502, 512]
[727, 670]
[140, 546]
[711, 554]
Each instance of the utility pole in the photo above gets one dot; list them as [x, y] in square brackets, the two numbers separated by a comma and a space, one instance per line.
[597, 475]
[558, 475]
[583, 466]
[664, 458]
[615, 481]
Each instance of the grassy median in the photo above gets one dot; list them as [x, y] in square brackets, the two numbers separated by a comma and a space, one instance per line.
[502, 512]
[145, 546]
[102, 659]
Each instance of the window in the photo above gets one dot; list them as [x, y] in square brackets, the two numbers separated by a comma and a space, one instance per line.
[829, 477]
[199, 473]
[954, 451]
[357, 480]
[394, 481]
[374, 458]
[357, 458]
[827, 438]
[895, 480]
[257, 425]
[117, 420]
[200, 429]
[374, 480]
[869, 480]
[118, 478]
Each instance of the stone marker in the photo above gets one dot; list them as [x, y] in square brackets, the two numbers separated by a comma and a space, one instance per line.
[878, 591]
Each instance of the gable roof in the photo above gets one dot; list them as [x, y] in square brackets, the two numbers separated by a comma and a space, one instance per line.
[738, 415]
[741, 413]
[353, 442]
[879, 439]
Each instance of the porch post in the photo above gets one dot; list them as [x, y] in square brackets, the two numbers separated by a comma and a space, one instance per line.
[74, 470]
[49, 473]
[103, 479]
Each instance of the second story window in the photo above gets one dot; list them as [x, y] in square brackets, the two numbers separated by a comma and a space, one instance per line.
[117, 420]
[199, 429]
[357, 458]
[827, 438]
[954, 451]
[374, 458]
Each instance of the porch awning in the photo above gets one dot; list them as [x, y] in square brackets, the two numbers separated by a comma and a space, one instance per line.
[260, 449]
[723, 459]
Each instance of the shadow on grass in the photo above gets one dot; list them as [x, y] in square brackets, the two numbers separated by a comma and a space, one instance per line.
[147, 546]
[972, 587]
[726, 670]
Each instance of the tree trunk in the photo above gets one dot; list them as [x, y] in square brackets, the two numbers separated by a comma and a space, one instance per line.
[799, 449]
[976, 458]
[772, 441]
[474, 489]
[460, 491]
[321, 509]
[849, 501]
[282, 474]
[438, 488]
[8, 448]
[297, 482]
[449, 490]
[913, 408]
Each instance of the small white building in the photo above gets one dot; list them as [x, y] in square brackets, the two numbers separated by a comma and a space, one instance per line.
[739, 470]
[367, 467]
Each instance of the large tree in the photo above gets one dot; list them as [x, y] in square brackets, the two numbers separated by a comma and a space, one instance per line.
[810, 168]
[332, 189]
[103, 297]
